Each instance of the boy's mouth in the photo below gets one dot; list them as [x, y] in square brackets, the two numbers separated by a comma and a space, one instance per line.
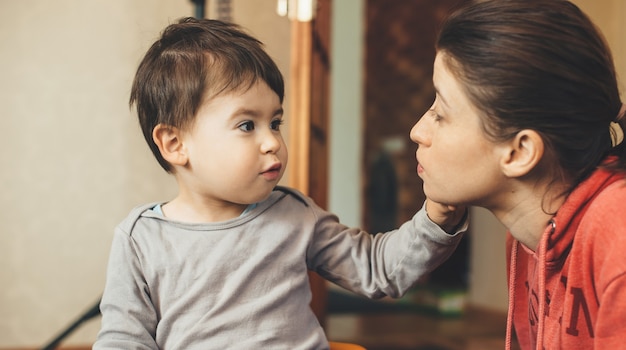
[273, 172]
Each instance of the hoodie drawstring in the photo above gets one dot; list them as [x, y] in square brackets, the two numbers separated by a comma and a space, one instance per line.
[542, 251]
[512, 275]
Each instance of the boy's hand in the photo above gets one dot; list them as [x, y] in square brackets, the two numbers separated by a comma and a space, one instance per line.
[448, 217]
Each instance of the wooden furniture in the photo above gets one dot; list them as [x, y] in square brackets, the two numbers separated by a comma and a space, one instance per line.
[308, 95]
[345, 346]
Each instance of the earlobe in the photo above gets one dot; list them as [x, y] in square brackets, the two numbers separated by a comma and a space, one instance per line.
[169, 141]
[523, 153]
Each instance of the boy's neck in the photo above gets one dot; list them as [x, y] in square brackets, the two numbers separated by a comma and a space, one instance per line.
[200, 211]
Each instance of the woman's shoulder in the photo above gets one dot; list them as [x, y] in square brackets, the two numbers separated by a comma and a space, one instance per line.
[610, 203]
[604, 222]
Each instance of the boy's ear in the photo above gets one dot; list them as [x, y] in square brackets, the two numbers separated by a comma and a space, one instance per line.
[522, 153]
[170, 142]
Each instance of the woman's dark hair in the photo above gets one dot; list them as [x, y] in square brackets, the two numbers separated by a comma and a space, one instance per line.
[540, 65]
[195, 60]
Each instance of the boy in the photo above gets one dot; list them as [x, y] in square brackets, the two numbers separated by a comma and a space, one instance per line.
[224, 264]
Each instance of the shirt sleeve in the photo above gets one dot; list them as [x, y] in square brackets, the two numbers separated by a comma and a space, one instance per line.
[605, 236]
[385, 264]
[129, 318]
[609, 332]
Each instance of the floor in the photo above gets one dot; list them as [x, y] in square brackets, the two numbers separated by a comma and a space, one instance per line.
[379, 327]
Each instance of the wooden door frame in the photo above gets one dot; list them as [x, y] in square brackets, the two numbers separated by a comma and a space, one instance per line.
[308, 95]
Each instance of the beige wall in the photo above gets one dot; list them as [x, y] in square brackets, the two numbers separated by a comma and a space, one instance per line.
[73, 159]
[609, 16]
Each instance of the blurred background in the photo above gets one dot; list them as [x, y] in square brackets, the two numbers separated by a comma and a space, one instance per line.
[74, 161]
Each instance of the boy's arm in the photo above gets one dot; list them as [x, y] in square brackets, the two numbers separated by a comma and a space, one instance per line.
[129, 319]
[386, 263]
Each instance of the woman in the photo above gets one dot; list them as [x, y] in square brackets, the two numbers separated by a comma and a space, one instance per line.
[524, 124]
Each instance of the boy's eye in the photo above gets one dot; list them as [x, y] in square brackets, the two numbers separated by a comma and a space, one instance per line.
[276, 123]
[246, 126]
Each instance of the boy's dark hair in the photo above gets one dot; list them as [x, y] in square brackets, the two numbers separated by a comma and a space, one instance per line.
[193, 61]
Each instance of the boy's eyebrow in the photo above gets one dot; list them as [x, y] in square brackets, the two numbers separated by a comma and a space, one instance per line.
[255, 113]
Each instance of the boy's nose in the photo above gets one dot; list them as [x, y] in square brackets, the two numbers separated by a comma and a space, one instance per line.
[271, 143]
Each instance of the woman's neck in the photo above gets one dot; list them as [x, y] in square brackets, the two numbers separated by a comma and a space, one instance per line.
[528, 212]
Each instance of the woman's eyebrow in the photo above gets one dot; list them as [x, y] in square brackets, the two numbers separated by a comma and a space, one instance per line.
[443, 100]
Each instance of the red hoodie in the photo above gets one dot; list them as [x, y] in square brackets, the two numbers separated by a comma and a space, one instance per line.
[571, 293]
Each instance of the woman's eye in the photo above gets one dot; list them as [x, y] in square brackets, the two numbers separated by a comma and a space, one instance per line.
[246, 126]
[276, 123]
[435, 115]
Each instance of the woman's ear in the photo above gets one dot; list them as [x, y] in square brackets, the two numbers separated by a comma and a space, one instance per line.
[170, 142]
[522, 153]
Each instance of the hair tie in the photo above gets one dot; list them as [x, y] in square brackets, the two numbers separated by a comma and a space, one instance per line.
[621, 113]
[617, 127]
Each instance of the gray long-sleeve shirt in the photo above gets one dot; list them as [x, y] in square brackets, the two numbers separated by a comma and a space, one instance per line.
[242, 283]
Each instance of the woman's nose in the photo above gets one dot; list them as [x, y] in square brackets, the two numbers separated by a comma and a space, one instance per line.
[419, 132]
